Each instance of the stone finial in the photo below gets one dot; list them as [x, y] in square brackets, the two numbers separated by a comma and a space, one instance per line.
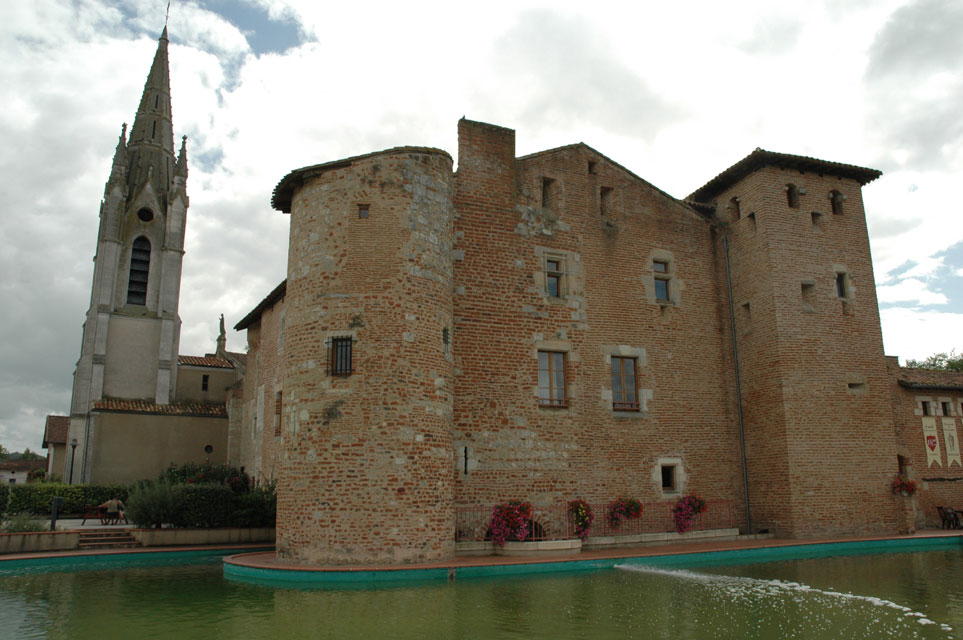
[180, 168]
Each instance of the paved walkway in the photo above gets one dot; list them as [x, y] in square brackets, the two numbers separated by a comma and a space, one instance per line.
[268, 560]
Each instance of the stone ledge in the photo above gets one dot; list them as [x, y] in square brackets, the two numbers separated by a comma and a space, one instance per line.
[543, 547]
[168, 537]
[39, 541]
[597, 542]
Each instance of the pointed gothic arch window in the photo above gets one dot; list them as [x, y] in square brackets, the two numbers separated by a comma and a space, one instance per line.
[139, 268]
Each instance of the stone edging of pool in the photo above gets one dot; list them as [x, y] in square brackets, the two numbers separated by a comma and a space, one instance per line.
[262, 567]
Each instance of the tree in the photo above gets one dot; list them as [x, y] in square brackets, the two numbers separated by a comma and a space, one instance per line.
[30, 455]
[944, 361]
[3, 452]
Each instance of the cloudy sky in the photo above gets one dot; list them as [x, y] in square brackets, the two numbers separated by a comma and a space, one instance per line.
[676, 92]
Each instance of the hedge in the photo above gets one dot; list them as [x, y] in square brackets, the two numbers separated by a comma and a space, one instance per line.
[37, 497]
[199, 506]
[4, 496]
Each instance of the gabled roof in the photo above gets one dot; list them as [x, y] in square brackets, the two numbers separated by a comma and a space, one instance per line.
[762, 158]
[16, 466]
[205, 361]
[198, 409]
[55, 430]
[584, 147]
[269, 301]
[284, 191]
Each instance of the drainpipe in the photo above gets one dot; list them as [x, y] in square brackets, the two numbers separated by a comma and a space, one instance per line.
[735, 358]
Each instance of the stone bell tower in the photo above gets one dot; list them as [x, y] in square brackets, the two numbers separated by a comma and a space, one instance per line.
[132, 328]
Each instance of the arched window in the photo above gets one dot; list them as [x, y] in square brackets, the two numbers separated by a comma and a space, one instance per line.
[139, 267]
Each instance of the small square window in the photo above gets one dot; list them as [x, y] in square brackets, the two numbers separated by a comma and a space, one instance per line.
[339, 356]
[625, 395]
[205, 381]
[551, 379]
[668, 477]
[362, 211]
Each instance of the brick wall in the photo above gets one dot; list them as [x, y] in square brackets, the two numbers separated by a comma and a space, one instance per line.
[366, 473]
[940, 479]
[820, 439]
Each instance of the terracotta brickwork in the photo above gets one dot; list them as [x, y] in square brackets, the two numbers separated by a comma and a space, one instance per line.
[605, 226]
[935, 469]
[366, 474]
[554, 327]
[259, 440]
[819, 434]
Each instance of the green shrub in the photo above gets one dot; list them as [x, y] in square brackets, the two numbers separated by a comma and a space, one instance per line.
[257, 508]
[4, 498]
[25, 523]
[207, 473]
[197, 506]
[151, 504]
[37, 497]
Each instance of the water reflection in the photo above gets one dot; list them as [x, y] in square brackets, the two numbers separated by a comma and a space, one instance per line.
[879, 596]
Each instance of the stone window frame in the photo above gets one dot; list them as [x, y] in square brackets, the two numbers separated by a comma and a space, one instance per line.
[680, 476]
[670, 276]
[923, 406]
[642, 395]
[943, 402]
[568, 283]
[856, 383]
[849, 288]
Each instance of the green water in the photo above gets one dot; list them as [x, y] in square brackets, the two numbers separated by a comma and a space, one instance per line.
[899, 595]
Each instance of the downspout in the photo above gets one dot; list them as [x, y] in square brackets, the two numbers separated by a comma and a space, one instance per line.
[735, 358]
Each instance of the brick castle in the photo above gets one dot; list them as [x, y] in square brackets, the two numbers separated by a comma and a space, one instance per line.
[540, 328]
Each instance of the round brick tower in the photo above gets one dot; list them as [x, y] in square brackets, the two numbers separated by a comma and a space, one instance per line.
[366, 475]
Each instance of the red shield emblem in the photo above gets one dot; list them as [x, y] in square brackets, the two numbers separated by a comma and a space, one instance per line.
[931, 442]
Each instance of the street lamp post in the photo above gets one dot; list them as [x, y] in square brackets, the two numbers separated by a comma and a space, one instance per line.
[73, 452]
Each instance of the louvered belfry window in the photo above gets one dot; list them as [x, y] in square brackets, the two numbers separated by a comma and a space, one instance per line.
[339, 356]
[139, 268]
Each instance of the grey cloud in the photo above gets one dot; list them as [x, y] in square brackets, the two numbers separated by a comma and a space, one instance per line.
[571, 75]
[922, 36]
[915, 80]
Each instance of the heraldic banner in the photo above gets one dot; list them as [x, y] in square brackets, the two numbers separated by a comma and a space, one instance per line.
[952, 442]
[932, 441]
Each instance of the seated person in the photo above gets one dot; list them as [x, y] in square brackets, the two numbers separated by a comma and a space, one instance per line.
[112, 507]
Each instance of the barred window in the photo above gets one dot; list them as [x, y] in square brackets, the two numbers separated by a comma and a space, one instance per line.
[624, 392]
[339, 356]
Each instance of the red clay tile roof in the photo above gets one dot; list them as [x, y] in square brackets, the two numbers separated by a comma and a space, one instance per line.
[23, 465]
[199, 409]
[762, 158]
[205, 361]
[931, 379]
[55, 430]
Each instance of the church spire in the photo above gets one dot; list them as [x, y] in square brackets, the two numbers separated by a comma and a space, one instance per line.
[151, 144]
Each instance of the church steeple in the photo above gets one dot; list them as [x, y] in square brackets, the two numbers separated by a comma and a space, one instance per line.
[150, 149]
